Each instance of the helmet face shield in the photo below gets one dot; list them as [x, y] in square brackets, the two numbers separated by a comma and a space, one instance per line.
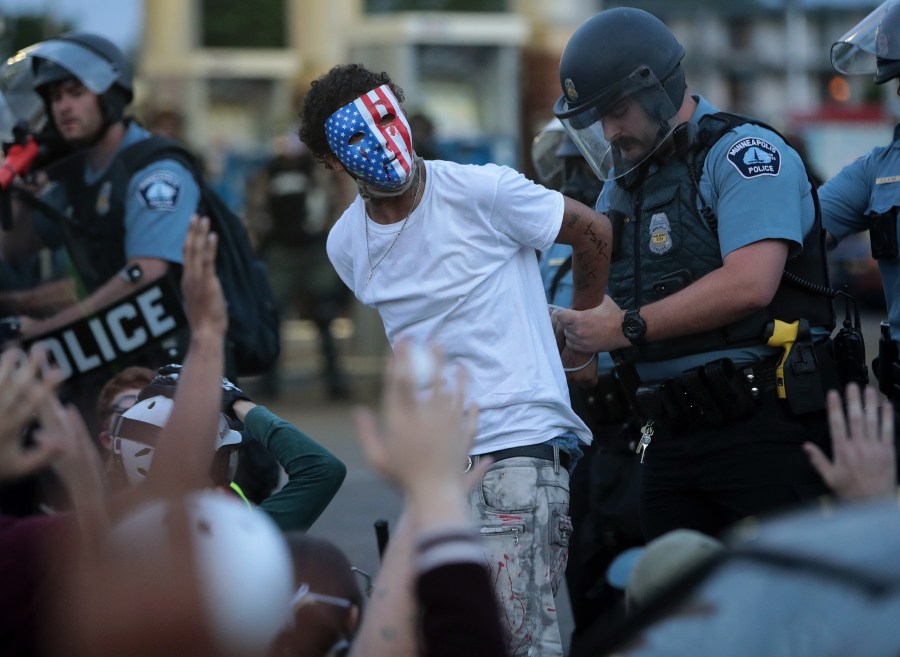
[875, 37]
[544, 147]
[93, 70]
[19, 102]
[623, 126]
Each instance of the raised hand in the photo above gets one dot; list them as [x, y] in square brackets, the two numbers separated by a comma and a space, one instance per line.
[864, 464]
[27, 382]
[426, 435]
[203, 297]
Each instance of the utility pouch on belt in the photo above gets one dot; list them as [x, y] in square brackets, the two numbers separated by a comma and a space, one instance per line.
[883, 234]
[850, 350]
[797, 375]
[606, 401]
[887, 365]
[713, 394]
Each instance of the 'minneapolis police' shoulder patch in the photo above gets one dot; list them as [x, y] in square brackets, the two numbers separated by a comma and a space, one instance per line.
[160, 190]
[755, 157]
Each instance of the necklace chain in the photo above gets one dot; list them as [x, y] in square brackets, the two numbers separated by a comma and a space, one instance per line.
[373, 267]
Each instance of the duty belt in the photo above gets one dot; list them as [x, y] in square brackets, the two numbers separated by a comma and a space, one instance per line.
[717, 393]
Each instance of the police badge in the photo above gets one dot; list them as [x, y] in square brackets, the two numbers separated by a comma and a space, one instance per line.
[660, 234]
[102, 205]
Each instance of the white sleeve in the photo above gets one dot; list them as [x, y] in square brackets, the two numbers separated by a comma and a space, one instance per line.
[338, 248]
[527, 212]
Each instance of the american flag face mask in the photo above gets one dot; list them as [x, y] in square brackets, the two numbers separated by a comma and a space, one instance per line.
[372, 139]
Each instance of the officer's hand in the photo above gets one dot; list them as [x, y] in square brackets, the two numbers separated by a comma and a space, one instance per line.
[29, 326]
[203, 298]
[864, 464]
[593, 330]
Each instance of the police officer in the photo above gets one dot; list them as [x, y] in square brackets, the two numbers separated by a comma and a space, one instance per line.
[116, 229]
[865, 195]
[709, 211]
[603, 490]
[120, 230]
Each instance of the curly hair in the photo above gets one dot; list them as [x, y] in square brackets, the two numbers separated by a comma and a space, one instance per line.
[331, 91]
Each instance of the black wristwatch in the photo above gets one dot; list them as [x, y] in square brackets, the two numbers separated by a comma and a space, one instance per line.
[634, 327]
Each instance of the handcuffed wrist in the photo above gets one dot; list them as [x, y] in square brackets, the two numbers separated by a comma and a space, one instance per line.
[580, 367]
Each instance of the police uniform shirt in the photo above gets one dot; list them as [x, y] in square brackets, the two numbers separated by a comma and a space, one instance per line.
[758, 189]
[159, 203]
[871, 184]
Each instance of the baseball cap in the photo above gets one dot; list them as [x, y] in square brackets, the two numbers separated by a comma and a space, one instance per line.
[646, 571]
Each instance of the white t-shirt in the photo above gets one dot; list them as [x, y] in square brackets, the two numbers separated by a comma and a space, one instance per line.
[463, 274]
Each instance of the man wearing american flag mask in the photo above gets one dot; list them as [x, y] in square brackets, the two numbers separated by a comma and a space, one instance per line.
[447, 255]
[371, 137]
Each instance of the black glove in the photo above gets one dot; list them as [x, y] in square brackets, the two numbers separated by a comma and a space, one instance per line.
[230, 394]
[163, 383]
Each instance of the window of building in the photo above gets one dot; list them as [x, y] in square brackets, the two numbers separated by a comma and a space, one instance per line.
[740, 33]
[242, 24]
[386, 6]
[740, 93]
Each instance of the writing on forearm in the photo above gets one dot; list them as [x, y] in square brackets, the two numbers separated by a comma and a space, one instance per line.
[584, 279]
[588, 271]
[574, 221]
[601, 247]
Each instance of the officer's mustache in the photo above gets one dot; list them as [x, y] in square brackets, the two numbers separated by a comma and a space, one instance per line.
[619, 146]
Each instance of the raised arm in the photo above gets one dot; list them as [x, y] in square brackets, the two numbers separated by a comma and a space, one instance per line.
[421, 449]
[182, 458]
[314, 474]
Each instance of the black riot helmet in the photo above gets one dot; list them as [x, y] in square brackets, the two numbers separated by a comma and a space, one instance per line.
[92, 60]
[618, 54]
[872, 45]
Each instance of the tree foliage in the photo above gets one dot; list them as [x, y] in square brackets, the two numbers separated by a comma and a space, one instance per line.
[21, 31]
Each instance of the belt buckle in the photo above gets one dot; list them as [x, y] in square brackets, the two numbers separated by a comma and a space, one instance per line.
[468, 464]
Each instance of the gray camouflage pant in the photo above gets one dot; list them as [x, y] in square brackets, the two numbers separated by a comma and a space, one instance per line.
[522, 511]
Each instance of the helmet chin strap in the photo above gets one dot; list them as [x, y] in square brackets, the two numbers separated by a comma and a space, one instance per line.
[368, 191]
[87, 143]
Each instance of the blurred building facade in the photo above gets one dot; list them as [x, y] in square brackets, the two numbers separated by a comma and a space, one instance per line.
[487, 79]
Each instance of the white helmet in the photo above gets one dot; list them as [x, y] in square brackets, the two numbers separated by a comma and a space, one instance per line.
[244, 569]
[135, 432]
